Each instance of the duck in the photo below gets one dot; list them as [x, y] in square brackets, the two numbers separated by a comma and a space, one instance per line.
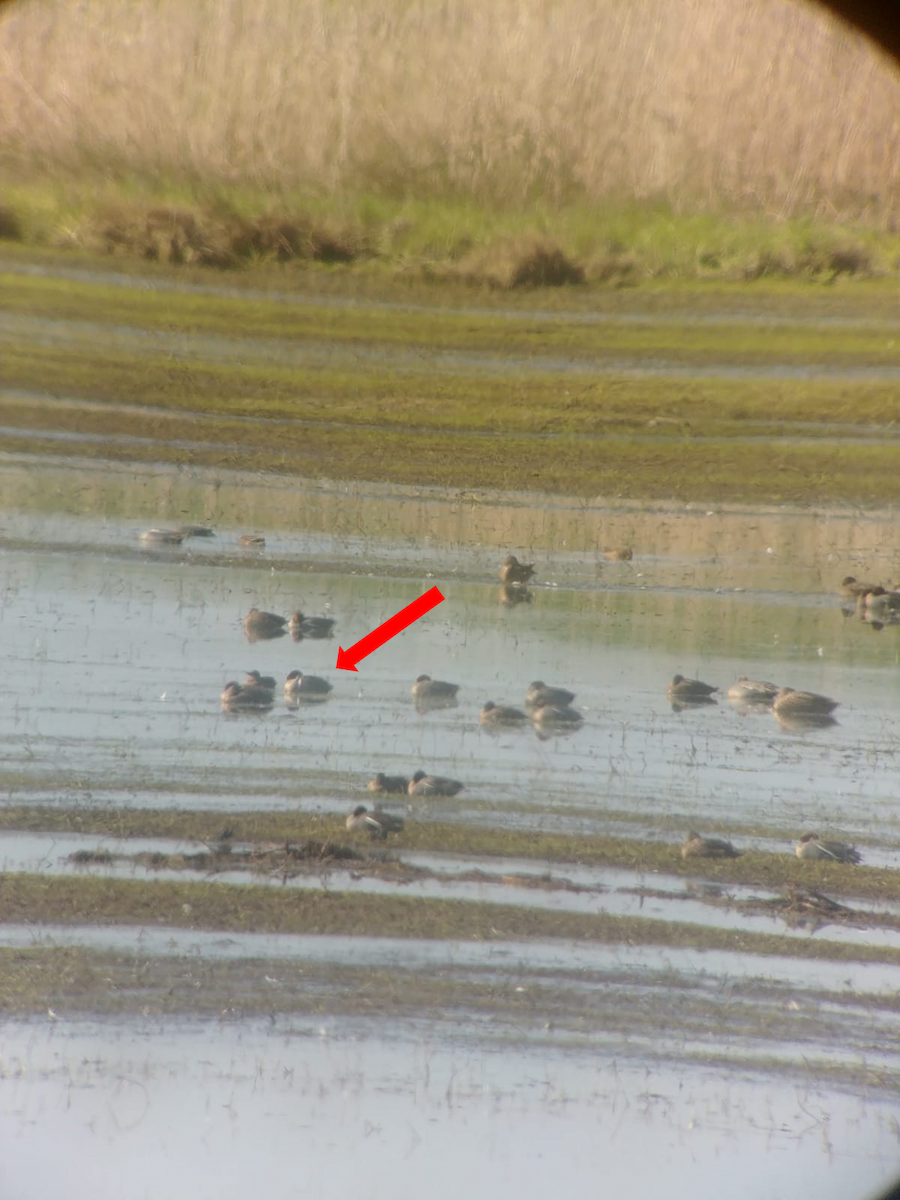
[264, 681]
[881, 602]
[298, 686]
[252, 541]
[376, 823]
[426, 688]
[689, 689]
[512, 571]
[545, 714]
[789, 702]
[541, 693]
[259, 625]
[619, 554]
[851, 587]
[310, 627]
[245, 695]
[695, 846]
[433, 785]
[389, 784]
[753, 691]
[501, 714]
[161, 537]
[812, 846]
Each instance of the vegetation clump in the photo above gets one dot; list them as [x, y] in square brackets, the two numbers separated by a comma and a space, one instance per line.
[199, 238]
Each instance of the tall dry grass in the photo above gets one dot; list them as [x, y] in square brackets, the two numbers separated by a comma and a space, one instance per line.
[762, 103]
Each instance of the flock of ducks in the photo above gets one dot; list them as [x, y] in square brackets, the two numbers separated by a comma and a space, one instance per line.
[257, 692]
[872, 602]
[174, 537]
[795, 710]
[547, 707]
[264, 626]
[810, 845]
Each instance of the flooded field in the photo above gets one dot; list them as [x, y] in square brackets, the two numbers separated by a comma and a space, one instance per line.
[527, 985]
[556, 1029]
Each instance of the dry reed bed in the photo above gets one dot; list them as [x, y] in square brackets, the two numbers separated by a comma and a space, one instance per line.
[767, 104]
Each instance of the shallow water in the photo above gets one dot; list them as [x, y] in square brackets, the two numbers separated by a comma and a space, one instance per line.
[527, 883]
[209, 1110]
[115, 656]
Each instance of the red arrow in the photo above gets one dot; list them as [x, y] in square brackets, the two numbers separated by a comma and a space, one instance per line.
[347, 659]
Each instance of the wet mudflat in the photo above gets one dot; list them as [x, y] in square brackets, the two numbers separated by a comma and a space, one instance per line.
[580, 986]
[767, 391]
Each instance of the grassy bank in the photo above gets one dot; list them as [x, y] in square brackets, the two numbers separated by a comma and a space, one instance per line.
[322, 912]
[752, 393]
[135, 218]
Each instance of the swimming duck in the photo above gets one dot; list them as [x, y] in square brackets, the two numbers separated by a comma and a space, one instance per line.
[789, 702]
[310, 627]
[298, 686]
[619, 554]
[753, 691]
[689, 689]
[161, 537]
[426, 688]
[851, 587]
[264, 681]
[433, 785]
[812, 846]
[544, 715]
[881, 602]
[695, 846]
[376, 823]
[389, 784]
[252, 541]
[540, 693]
[260, 625]
[238, 695]
[501, 714]
[512, 571]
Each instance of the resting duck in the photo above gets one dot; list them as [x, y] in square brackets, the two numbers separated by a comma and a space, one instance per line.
[426, 688]
[501, 714]
[161, 537]
[541, 693]
[689, 689]
[792, 703]
[377, 824]
[753, 691]
[250, 695]
[812, 846]
[389, 784]
[695, 846]
[298, 686]
[433, 785]
[259, 625]
[310, 627]
[263, 681]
